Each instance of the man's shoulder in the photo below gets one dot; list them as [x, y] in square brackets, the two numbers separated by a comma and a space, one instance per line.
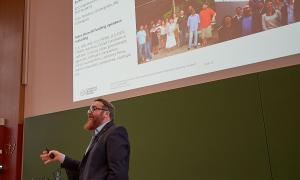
[116, 132]
[117, 128]
[212, 10]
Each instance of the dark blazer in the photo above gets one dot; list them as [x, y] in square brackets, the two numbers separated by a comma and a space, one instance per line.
[106, 159]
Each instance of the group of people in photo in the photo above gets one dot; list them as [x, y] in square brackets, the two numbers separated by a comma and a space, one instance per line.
[191, 28]
[257, 16]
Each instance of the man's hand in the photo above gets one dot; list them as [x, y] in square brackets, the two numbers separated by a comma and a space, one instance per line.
[46, 156]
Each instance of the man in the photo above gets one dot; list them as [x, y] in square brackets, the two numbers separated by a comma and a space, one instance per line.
[182, 28]
[107, 156]
[288, 13]
[226, 32]
[237, 22]
[141, 41]
[257, 11]
[148, 44]
[247, 21]
[207, 17]
[192, 23]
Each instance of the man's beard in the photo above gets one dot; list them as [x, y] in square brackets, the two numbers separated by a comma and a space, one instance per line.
[93, 122]
[90, 125]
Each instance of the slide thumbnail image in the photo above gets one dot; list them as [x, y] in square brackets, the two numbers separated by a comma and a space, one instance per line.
[165, 28]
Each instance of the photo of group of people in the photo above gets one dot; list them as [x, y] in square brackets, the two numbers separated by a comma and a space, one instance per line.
[166, 28]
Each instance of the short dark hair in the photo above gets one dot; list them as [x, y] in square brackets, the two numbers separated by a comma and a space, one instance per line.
[109, 106]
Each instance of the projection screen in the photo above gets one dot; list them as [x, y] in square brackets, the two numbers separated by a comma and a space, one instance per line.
[120, 45]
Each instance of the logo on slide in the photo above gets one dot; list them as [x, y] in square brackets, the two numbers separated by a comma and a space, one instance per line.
[88, 91]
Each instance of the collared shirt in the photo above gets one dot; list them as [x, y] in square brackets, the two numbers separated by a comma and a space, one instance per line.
[290, 10]
[99, 128]
[247, 25]
[206, 17]
[141, 37]
[193, 22]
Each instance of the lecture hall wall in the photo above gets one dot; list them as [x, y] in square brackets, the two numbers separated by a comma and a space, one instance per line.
[49, 87]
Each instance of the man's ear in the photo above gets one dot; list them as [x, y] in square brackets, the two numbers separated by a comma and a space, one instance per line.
[107, 113]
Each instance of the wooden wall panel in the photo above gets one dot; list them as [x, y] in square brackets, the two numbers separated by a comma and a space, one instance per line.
[11, 98]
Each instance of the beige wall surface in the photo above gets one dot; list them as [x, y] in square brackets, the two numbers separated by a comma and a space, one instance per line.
[49, 82]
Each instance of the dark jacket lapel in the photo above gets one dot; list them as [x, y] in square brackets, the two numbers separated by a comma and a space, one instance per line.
[103, 130]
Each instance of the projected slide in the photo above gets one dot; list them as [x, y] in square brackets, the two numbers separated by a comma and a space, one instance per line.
[123, 45]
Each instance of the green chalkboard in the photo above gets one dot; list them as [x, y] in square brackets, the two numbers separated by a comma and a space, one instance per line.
[224, 130]
[281, 108]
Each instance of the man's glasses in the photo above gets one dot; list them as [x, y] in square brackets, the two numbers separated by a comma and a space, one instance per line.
[94, 108]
